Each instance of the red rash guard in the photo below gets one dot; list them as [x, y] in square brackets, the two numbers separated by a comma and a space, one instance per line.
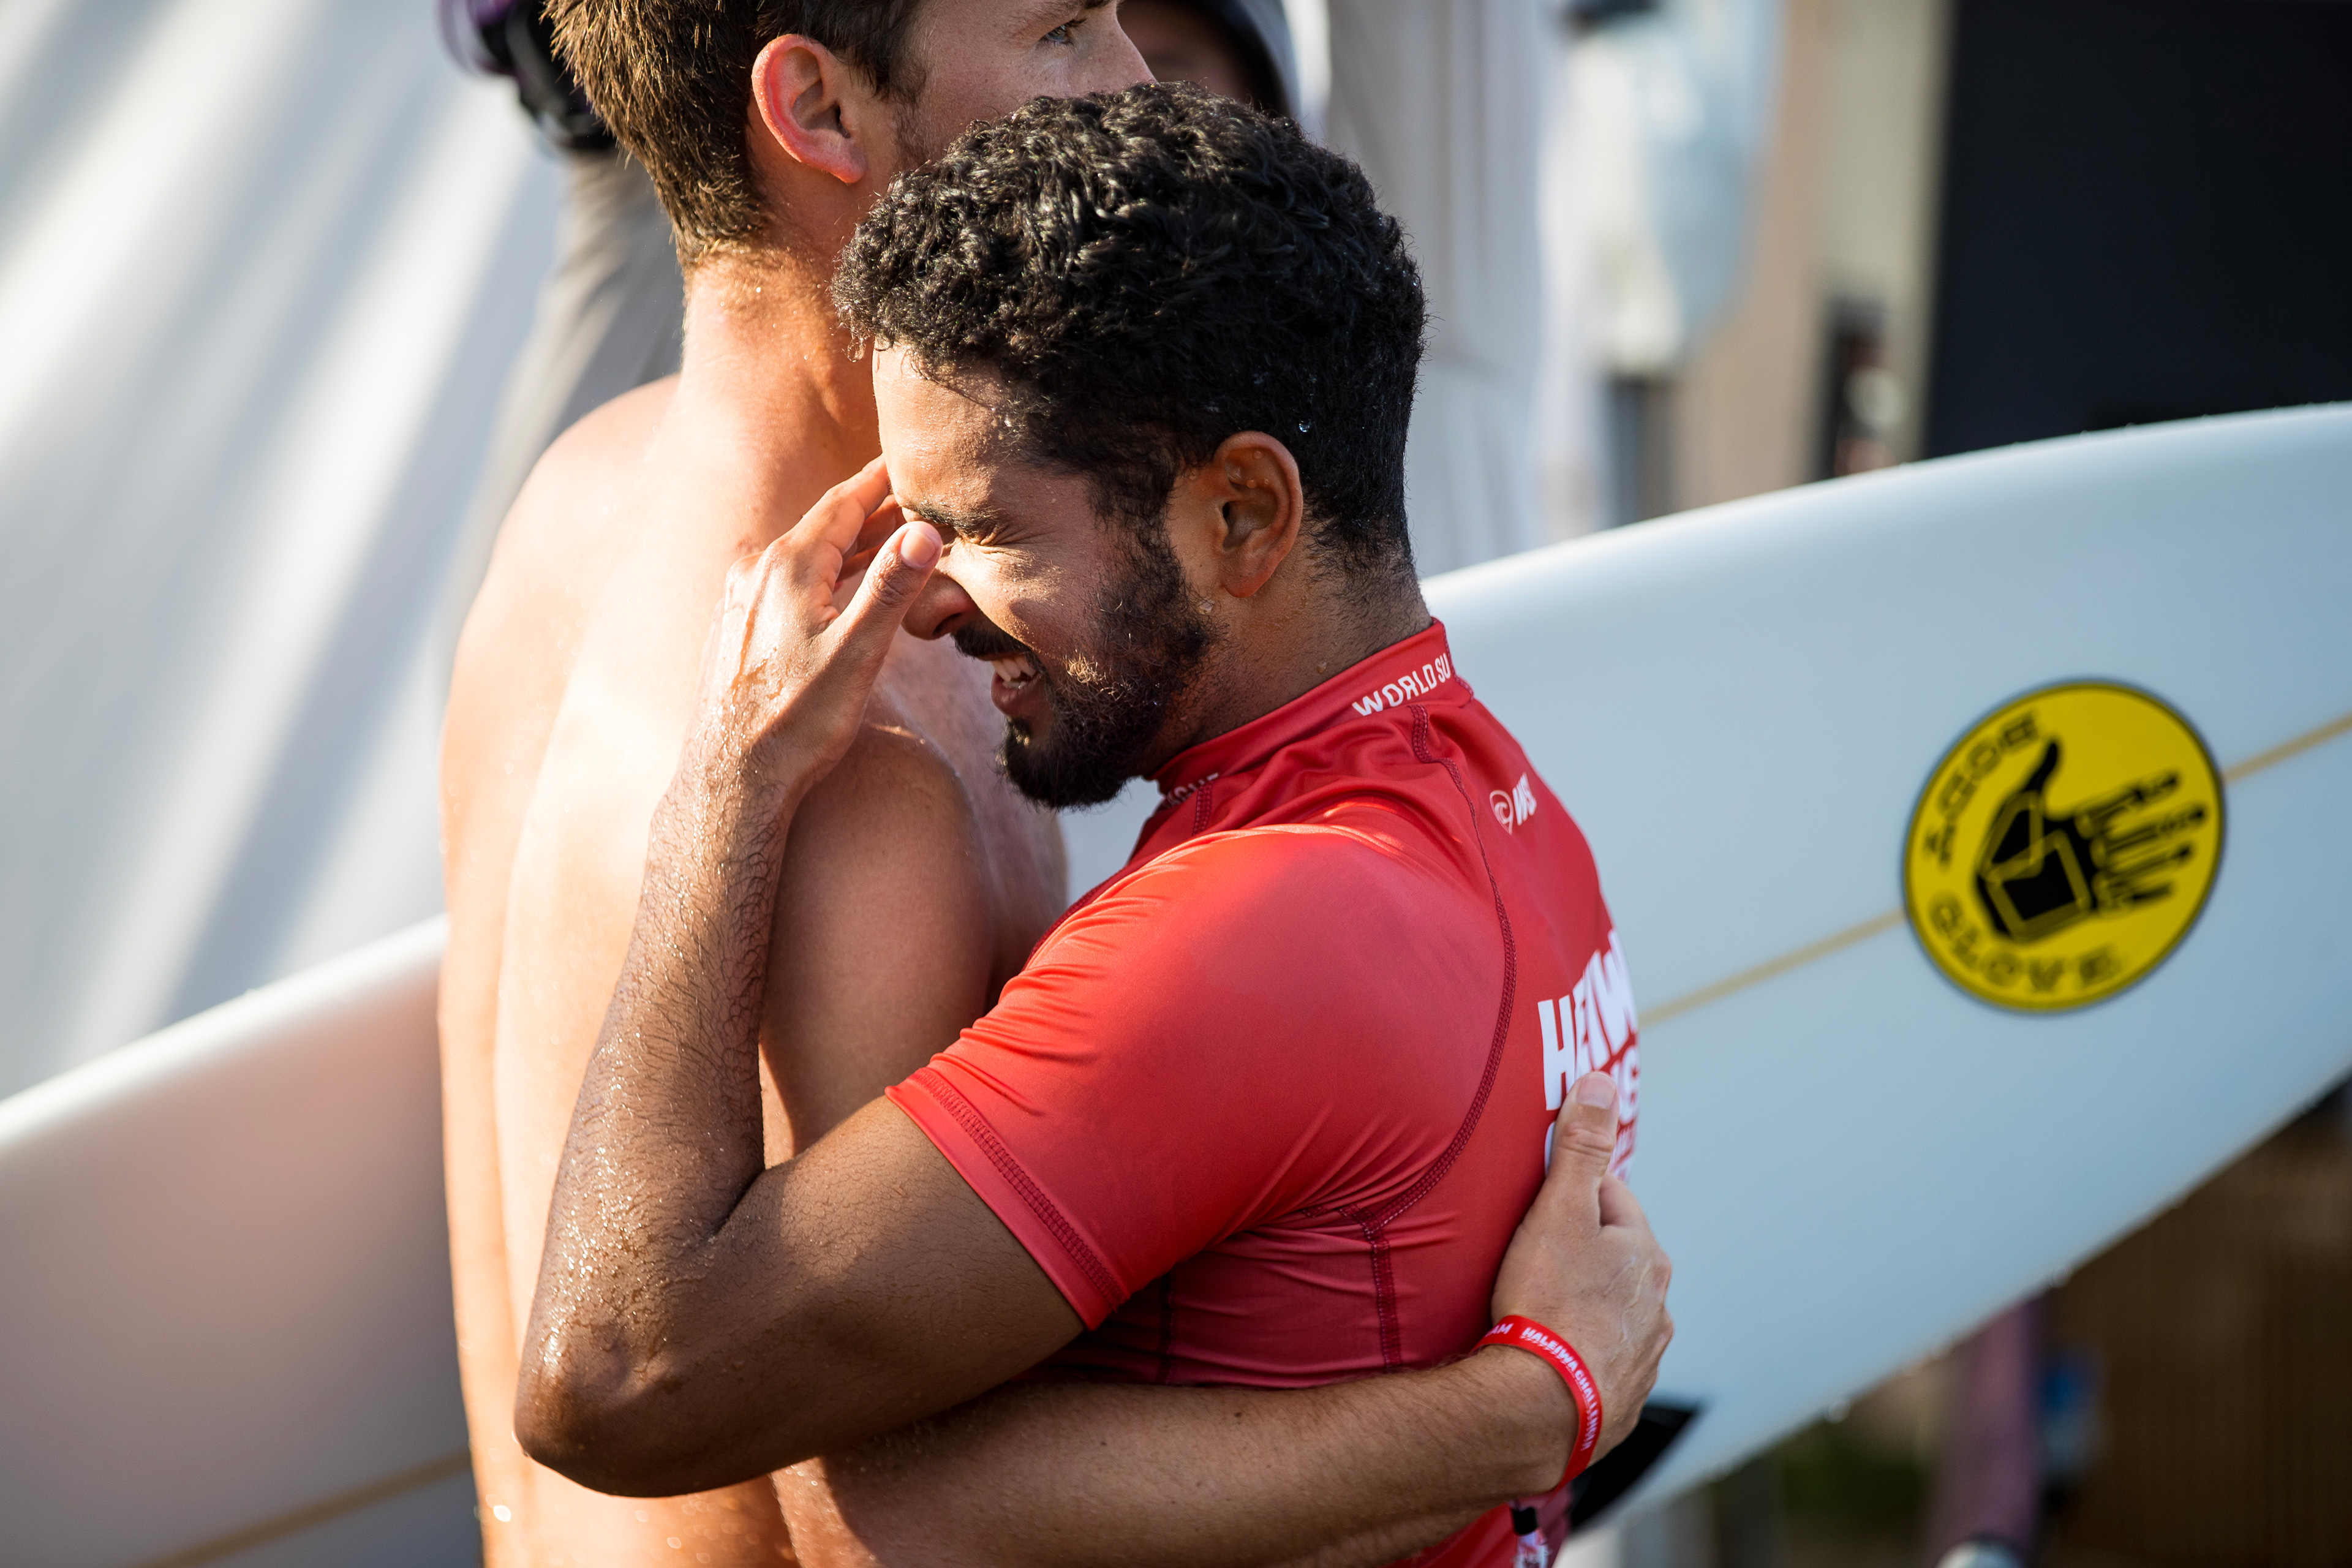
[1269, 1104]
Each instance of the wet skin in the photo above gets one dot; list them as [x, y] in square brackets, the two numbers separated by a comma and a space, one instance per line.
[570, 697]
[573, 693]
[1026, 558]
[701, 1315]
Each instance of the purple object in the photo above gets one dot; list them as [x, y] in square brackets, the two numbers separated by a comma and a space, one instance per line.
[509, 38]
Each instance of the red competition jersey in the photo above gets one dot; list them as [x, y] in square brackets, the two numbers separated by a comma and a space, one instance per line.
[1269, 1104]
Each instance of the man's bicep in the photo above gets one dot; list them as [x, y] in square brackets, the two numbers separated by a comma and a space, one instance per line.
[907, 1295]
[883, 933]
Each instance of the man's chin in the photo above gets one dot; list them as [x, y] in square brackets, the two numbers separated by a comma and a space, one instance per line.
[1046, 774]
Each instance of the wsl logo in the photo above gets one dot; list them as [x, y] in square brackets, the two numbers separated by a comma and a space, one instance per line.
[1514, 805]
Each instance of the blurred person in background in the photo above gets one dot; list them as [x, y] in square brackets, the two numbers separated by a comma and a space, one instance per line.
[1240, 48]
[573, 682]
[1985, 1511]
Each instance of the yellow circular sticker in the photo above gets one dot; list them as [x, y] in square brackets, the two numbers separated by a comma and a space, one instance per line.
[2063, 846]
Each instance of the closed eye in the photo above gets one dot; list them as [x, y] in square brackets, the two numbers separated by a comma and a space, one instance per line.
[974, 528]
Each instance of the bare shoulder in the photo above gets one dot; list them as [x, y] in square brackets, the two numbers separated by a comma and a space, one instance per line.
[575, 480]
[886, 922]
[920, 785]
[557, 548]
[945, 696]
[895, 807]
[566, 531]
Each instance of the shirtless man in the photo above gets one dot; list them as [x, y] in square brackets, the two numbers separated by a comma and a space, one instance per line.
[1260, 1113]
[575, 682]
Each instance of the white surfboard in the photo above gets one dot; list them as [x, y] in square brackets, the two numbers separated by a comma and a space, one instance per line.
[225, 1322]
[1851, 1159]
[1853, 1148]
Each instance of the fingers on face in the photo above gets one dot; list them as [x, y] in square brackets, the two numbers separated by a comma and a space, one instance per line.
[901, 568]
[866, 627]
[842, 513]
[919, 545]
[880, 524]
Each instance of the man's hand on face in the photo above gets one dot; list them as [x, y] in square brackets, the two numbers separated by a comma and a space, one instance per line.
[662, 1248]
[790, 665]
[1585, 1265]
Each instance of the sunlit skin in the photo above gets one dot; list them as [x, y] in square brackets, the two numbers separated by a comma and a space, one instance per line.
[574, 687]
[702, 1313]
[1025, 553]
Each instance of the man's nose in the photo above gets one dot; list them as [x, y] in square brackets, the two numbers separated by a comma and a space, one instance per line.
[1116, 65]
[939, 608]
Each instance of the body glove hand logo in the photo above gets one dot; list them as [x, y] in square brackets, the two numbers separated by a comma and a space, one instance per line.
[2063, 848]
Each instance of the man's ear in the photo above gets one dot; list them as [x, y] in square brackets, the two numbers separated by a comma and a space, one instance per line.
[1260, 508]
[818, 109]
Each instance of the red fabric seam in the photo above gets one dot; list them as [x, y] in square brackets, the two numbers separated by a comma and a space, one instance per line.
[1444, 1163]
[1049, 1215]
[1375, 1226]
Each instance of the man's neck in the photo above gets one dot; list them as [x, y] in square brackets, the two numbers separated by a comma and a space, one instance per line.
[767, 400]
[1277, 662]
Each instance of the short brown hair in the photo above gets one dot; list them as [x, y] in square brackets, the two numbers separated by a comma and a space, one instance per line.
[672, 79]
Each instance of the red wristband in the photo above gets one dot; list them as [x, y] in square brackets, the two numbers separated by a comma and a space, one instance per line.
[1526, 1334]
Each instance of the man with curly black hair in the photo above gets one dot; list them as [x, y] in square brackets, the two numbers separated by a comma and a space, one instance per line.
[769, 127]
[1128, 349]
[1260, 1113]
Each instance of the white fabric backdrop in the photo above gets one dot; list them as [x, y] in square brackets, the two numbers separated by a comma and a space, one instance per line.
[262, 265]
[1443, 102]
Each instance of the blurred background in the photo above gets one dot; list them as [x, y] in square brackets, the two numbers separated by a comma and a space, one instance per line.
[293, 291]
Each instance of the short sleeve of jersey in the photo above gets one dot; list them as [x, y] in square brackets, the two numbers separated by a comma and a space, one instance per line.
[1183, 1058]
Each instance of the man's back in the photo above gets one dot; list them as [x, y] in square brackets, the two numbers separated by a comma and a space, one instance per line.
[572, 695]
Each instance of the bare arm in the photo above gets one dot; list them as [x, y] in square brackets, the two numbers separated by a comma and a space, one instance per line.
[699, 1319]
[1355, 1473]
[1039, 1476]
[570, 532]
[1028, 1476]
[857, 1285]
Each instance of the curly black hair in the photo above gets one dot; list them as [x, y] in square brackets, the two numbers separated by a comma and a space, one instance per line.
[1148, 272]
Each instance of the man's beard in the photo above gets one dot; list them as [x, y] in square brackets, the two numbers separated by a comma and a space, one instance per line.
[1150, 642]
